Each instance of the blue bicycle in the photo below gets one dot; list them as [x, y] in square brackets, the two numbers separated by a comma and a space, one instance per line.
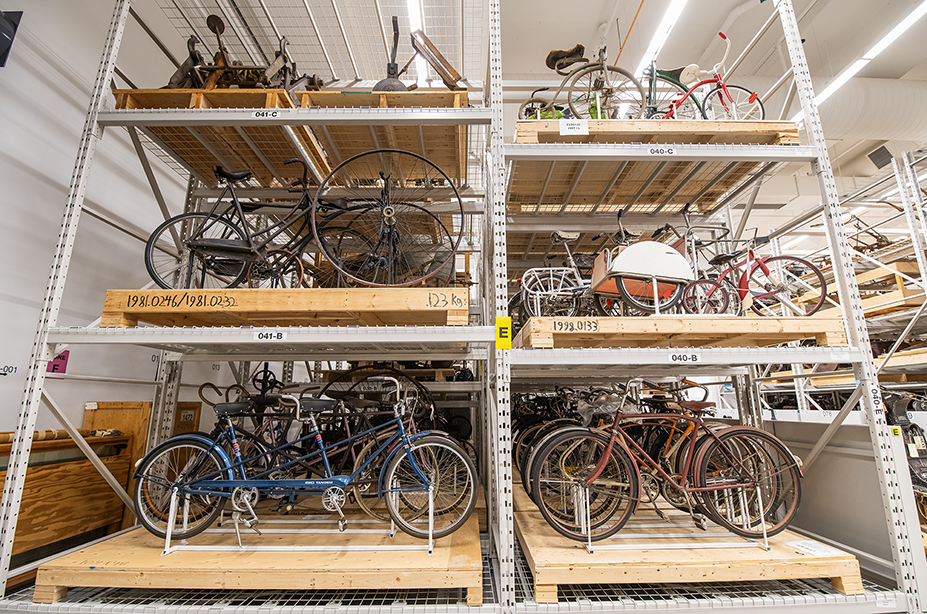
[427, 479]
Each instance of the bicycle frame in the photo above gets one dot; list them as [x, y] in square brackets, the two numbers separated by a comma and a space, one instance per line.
[717, 80]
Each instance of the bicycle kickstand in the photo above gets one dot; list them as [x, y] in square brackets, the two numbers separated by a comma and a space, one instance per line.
[251, 523]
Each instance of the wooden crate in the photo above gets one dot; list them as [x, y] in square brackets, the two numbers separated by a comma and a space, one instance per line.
[677, 331]
[556, 560]
[134, 560]
[260, 149]
[445, 146]
[288, 307]
[640, 186]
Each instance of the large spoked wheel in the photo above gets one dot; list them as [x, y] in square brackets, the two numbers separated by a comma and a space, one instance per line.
[705, 296]
[404, 215]
[638, 292]
[663, 93]
[559, 475]
[742, 104]
[786, 286]
[365, 486]
[282, 269]
[447, 469]
[549, 294]
[173, 264]
[179, 462]
[765, 485]
[591, 96]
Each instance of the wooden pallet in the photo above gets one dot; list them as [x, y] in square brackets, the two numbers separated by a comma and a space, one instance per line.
[288, 307]
[662, 131]
[677, 331]
[445, 146]
[260, 149]
[134, 560]
[556, 560]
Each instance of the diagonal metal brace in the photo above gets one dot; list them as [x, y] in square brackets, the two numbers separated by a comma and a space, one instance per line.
[832, 427]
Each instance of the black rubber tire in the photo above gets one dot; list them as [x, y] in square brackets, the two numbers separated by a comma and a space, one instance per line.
[740, 109]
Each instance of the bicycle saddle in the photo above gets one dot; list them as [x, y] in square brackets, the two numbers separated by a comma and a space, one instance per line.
[317, 405]
[232, 409]
[722, 259]
[559, 236]
[695, 406]
[561, 58]
[221, 173]
[674, 73]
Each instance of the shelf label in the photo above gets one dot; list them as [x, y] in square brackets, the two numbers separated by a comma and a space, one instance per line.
[504, 333]
[814, 548]
[269, 335]
[661, 151]
[685, 358]
[265, 114]
[574, 126]
[896, 431]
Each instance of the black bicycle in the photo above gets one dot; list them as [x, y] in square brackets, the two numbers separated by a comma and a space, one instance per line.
[385, 217]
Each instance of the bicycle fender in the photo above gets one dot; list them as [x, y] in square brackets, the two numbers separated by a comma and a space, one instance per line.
[398, 449]
[195, 436]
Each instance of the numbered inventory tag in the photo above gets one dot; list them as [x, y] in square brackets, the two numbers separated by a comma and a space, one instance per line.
[574, 126]
[267, 335]
[685, 358]
[267, 114]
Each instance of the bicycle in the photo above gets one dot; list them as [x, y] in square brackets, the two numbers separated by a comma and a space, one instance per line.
[595, 90]
[381, 218]
[184, 483]
[722, 102]
[588, 483]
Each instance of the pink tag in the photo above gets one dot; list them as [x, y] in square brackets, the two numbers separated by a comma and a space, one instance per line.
[59, 364]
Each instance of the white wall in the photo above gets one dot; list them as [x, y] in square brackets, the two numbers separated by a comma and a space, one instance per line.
[44, 95]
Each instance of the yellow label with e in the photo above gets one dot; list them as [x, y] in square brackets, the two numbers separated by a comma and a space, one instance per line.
[896, 431]
[504, 333]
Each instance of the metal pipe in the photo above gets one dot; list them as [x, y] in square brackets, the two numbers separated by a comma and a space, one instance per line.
[271, 21]
[386, 48]
[318, 35]
[344, 36]
[190, 24]
[832, 428]
[775, 87]
[789, 97]
[772, 17]
[154, 38]
[241, 38]
[748, 208]
[153, 184]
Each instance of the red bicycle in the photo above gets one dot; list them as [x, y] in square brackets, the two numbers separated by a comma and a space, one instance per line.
[723, 101]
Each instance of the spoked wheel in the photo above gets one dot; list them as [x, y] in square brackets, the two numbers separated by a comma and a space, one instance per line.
[447, 470]
[592, 96]
[559, 486]
[705, 296]
[173, 264]
[282, 269]
[537, 108]
[638, 292]
[180, 462]
[742, 104]
[786, 286]
[365, 486]
[664, 93]
[765, 485]
[549, 294]
[404, 215]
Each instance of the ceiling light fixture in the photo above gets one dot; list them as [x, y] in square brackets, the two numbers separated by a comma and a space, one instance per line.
[663, 31]
[416, 22]
[909, 20]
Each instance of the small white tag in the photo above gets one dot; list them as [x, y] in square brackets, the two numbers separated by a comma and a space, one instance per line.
[269, 335]
[685, 358]
[885, 603]
[574, 126]
[814, 548]
[90, 405]
[265, 114]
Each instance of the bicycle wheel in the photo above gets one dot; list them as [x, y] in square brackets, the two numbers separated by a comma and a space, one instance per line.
[638, 292]
[743, 105]
[621, 98]
[786, 286]
[449, 472]
[559, 486]
[178, 462]
[734, 305]
[365, 486]
[664, 93]
[549, 294]
[404, 213]
[705, 296]
[537, 108]
[765, 485]
[526, 468]
[173, 264]
[368, 383]
[282, 269]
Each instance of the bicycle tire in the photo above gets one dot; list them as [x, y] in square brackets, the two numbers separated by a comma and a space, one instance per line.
[628, 288]
[715, 106]
[625, 100]
[537, 108]
[734, 306]
[525, 470]
[158, 473]
[403, 205]
[281, 269]
[451, 476]
[551, 300]
[174, 266]
[666, 92]
[705, 296]
[801, 291]
[563, 466]
[365, 486]
[354, 383]
[771, 483]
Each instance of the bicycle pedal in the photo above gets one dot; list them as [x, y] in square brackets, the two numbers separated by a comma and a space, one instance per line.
[700, 522]
[342, 524]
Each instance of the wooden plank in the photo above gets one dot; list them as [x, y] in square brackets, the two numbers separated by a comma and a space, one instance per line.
[901, 266]
[896, 300]
[677, 331]
[134, 560]
[662, 131]
[287, 307]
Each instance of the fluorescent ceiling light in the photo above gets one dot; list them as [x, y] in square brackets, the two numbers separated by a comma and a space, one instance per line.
[663, 31]
[793, 242]
[416, 19]
[909, 20]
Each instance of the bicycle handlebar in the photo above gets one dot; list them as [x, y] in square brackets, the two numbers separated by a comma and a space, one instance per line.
[304, 182]
[727, 49]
